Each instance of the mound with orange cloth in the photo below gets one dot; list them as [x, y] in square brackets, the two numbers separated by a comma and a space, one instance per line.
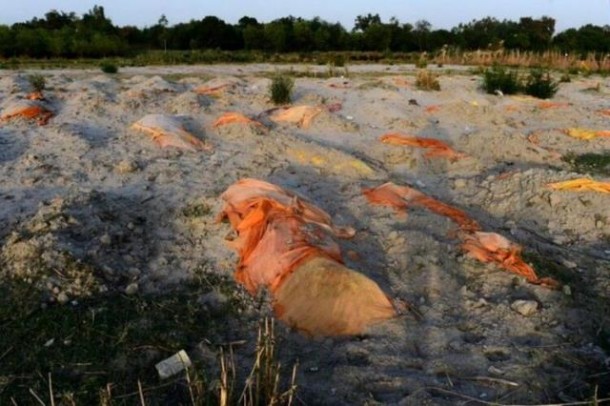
[29, 110]
[168, 131]
[483, 246]
[435, 147]
[285, 244]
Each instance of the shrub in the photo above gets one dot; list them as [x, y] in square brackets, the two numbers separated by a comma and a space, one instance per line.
[38, 82]
[539, 84]
[590, 163]
[565, 78]
[108, 67]
[281, 89]
[427, 80]
[499, 79]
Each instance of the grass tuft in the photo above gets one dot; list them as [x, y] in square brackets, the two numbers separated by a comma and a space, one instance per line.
[38, 82]
[499, 79]
[108, 67]
[427, 80]
[540, 84]
[590, 163]
[281, 89]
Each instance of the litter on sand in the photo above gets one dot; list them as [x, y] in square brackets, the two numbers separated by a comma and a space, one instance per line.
[435, 147]
[173, 365]
[582, 184]
[285, 244]
[29, 110]
[483, 246]
[302, 116]
[168, 131]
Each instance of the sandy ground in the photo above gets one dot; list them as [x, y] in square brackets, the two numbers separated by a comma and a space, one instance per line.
[87, 187]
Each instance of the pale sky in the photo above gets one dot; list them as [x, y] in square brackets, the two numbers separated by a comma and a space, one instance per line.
[441, 13]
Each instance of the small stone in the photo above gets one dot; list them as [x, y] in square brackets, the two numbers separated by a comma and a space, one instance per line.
[569, 264]
[525, 307]
[105, 239]
[554, 199]
[131, 289]
[567, 290]
[495, 371]
[62, 298]
[459, 183]
[124, 167]
[599, 224]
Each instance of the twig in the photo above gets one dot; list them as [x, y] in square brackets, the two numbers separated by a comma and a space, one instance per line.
[5, 353]
[188, 381]
[492, 380]
[142, 401]
[37, 397]
[51, 390]
[14, 402]
[472, 399]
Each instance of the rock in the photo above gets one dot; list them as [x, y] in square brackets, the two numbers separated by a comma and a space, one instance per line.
[525, 307]
[567, 290]
[62, 298]
[459, 183]
[213, 301]
[569, 264]
[124, 167]
[132, 289]
[554, 199]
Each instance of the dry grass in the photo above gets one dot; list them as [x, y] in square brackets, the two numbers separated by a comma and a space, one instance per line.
[427, 80]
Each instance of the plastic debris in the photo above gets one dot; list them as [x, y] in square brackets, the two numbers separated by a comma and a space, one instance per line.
[483, 246]
[168, 131]
[286, 245]
[582, 184]
[435, 147]
[173, 365]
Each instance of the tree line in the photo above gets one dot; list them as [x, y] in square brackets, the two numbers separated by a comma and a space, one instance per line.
[93, 35]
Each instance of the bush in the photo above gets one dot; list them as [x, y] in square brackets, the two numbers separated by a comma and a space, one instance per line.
[499, 79]
[38, 82]
[109, 68]
[427, 80]
[281, 89]
[539, 84]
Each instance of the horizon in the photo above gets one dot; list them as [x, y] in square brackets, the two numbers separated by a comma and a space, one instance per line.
[566, 13]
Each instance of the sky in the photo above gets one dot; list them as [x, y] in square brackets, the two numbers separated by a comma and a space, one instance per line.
[441, 13]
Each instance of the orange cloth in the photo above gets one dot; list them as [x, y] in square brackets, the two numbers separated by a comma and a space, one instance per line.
[300, 115]
[27, 109]
[435, 147]
[233, 117]
[485, 247]
[582, 184]
[168, 131]
[285, 244]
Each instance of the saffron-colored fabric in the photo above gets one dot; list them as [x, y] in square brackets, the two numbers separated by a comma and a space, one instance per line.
[168, 131]
[29, 110]
[586, 134]
[233, 118]
[302, 116]
[483, 246]
[435, 147]
[582, 184]
[285, 244]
